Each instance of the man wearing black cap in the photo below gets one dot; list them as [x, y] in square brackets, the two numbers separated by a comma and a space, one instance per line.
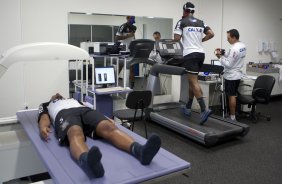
[193, 32]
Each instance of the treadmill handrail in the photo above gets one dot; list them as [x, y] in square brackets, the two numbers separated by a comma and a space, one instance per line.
[167, 69]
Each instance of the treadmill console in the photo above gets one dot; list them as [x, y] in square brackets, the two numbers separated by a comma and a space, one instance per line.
[171, 51]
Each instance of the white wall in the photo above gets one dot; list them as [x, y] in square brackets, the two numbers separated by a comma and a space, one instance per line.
[10, 19]
[164, 25]
[256, 20]
[46, 20]
[29, 84]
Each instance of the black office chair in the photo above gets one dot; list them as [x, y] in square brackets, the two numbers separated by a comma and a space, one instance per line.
[136, 102]
[260, 95]
[139, 51]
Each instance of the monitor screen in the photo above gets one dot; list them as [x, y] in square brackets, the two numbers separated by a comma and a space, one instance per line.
[216, 62]
[104, 75]
[170, 46]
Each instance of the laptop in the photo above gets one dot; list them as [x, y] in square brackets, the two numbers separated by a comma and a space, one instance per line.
[114, 49]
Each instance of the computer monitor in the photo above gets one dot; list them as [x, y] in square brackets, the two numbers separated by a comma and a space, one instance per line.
[114, 49]
[105, 75]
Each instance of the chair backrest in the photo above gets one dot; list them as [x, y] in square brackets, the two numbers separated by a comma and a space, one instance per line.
[141, 48]
[262, 88]
[138, 99]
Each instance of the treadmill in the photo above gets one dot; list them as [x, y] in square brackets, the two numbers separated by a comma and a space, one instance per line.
[170, 115]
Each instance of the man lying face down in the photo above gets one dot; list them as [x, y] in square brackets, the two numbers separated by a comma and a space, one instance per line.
[73, 121]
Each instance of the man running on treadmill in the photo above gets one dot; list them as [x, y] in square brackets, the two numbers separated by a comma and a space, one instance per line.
[192, 31]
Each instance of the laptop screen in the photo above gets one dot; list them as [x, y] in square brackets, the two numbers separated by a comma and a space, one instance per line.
[104, 75]
[217, 63]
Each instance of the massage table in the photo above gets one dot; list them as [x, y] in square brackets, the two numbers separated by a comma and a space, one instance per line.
[120, 167]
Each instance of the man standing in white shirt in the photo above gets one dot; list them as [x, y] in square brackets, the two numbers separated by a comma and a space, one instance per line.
[233, 62]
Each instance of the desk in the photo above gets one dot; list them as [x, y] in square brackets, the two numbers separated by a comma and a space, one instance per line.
[246, 88]
[102, 101]
[210, 93]
[82, 86]
[212, 96]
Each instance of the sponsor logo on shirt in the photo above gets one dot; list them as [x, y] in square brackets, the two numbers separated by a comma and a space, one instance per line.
[195, 29]
[242, 49]
[40, 109]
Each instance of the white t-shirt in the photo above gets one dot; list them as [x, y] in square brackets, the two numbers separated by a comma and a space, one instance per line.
[192, 31]
[155, 56]
[233, 61]
[56, 106]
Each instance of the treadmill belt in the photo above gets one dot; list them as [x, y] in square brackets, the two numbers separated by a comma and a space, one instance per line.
[212, 125]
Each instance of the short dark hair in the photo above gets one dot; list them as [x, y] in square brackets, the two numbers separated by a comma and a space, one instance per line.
[157, 33]
[234, 33]
[189, 7]
[129, 17]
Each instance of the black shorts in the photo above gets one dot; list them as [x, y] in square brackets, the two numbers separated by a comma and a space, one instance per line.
[231, 87]
[88, 119]
[193, 62]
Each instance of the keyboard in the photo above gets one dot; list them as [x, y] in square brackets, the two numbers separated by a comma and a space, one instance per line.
[110, 89]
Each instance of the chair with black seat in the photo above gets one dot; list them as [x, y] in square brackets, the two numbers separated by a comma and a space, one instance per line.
[136, 103]
[260, 95]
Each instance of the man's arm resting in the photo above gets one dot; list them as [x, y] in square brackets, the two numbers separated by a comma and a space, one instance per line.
[117, 37]
[209, 35]
[44, 126]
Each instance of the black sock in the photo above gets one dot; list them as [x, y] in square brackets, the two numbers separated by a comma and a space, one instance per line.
[83, 160]
[189, 104]
[146, 153]
[92, 160]
[135, 149]
[202, 104]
